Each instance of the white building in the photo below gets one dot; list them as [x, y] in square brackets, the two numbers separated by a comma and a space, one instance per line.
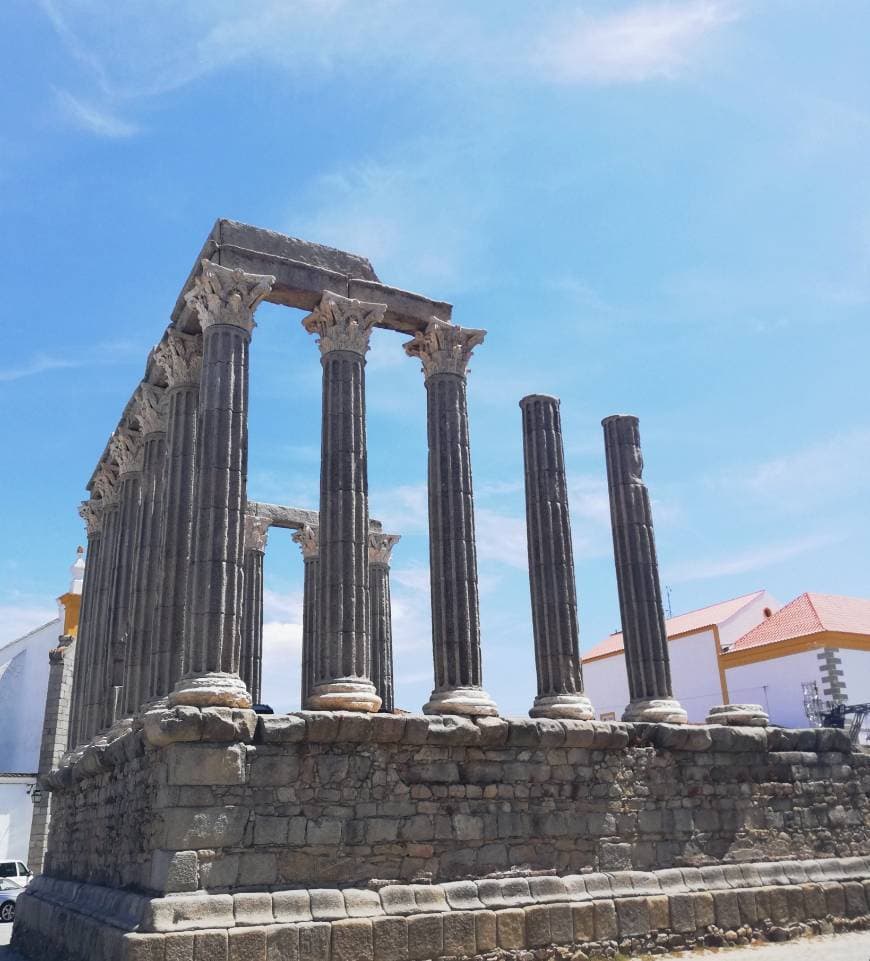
[24, 671]
[696, 641]
[817, 640]
[751, 650]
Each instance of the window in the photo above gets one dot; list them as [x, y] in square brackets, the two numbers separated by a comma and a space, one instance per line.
[7, 869]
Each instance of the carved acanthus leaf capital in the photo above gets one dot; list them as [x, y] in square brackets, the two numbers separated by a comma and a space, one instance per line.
[256, 532]
[180, 356]
[223, 296]
[342, 323]
[308, 540]
[381, 546]
[125, 448]
[149, 411]
[91, 512]
[105, 485]
[444, 348]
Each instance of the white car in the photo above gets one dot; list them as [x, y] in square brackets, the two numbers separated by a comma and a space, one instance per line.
[17, 872]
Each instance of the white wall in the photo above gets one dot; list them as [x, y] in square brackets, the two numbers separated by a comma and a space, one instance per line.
[16, 812]
[856, 674]
[746, 618]
[23, 685]
[776, 685]
[695, 674]
[606, 685]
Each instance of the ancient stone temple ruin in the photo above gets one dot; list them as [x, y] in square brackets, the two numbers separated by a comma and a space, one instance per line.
[188, 826]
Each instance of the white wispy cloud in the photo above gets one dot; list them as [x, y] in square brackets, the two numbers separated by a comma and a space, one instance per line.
[821, 472]
[39, 364]
[501, 538]
[753, 559]
[93, 119]
[640, 42]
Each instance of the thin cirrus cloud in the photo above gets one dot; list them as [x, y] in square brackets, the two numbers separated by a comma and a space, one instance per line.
[92, 119]
[131, 51]
[641, 42]
[40, 364]
[755, 559]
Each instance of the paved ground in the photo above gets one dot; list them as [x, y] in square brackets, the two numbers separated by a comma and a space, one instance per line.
[837, 947]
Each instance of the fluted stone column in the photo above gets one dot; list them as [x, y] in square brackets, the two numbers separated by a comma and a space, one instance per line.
[105, 490]
[309, 544]
[637, 577]
[225, 301]
[444, 351]
[343, 663]
[551, 564]
[251, 664]
[128, 451]
[380, 548]
[180, 357]
[150, 414]
[85, 663]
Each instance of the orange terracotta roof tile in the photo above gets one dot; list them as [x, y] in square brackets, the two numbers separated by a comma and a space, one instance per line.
[681, 624]
[810, 614]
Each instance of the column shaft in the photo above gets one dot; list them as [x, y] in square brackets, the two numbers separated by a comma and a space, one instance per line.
[224, 301]
[637, 577]
[380, 548]
[251, 660]
[121, 590]
[551, 564]
[146, 575]
[167, 661]
[445, 351]
[307, 540]
[343, 662]
[85, 640]
[96, 682]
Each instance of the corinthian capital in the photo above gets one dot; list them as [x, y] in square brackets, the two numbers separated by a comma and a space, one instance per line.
[180, 356]
[309, 542]
[105, 485]
[444, 348]
[342, 323]
[148, 409]
[125, 448]
[91, 513]
[381, 546]
[256, 532]
[223, 296]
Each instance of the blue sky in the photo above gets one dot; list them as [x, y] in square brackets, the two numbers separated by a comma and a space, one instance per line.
[660, 208]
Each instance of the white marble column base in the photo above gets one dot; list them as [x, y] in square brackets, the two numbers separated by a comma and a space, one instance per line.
[344, 694]
[739, 715]
[213, 689]
[655, 710]
[577, 707]
[468, 701]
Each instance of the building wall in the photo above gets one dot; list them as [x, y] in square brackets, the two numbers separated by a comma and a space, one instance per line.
[15, 813]
[746, 618]
[776, 684]
[855, 666]
[694, 674]
[23, 683]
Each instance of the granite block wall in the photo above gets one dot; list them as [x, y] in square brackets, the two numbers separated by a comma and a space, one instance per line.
[340, 799]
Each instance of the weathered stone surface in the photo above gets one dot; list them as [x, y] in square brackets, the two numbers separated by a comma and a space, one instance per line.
[352, 940]
[551, 564]
[162, 727]
[246, 944]
[390, 938]
[637, 577]
[425, 937]
[282, 943]
[511, 928]
[280, 729]
[444, 351]
[206, 764]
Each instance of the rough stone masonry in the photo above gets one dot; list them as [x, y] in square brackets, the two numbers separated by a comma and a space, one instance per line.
[186, 826]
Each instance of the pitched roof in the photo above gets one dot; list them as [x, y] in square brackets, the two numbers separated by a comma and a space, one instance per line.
[681, 624]
[810, 614]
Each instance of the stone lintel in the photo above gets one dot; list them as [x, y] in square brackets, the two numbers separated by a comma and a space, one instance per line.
[293, 518]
